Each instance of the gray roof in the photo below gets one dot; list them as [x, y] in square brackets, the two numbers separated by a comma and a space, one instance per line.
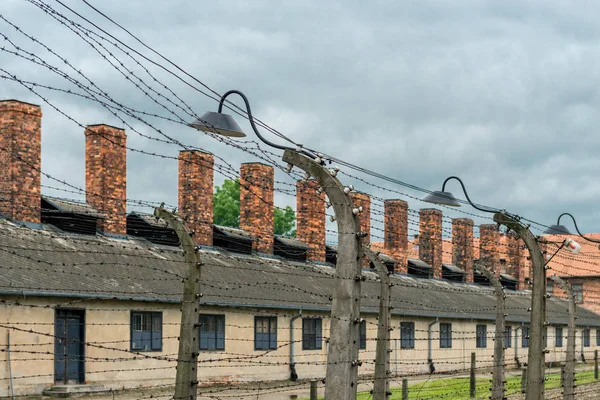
[508, 277]
[150, 219]
[292, 242]
[419, 263]
[72, 206]
[453, 268]
[234, 233]
[40, 262]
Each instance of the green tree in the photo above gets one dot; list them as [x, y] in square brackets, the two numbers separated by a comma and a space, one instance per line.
[285, 222]
[227, 210]
[226, 204]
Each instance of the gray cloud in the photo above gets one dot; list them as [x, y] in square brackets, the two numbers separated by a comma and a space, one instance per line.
[503, 94]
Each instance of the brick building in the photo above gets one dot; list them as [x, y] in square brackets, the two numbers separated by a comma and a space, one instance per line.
[109, 282]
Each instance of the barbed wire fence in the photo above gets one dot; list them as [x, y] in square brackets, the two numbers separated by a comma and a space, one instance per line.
[38, 258]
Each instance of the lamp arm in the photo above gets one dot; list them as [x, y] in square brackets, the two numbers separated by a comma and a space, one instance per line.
[576, 227]
[488, 210]
[254, 128]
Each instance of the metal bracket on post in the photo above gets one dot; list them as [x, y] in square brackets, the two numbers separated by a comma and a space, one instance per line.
[382, 351]
[186, 379]
[341, 380]
[569, 375]
[535, 355]
[498, 372]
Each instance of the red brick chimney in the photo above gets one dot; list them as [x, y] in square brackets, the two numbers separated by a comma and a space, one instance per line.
[430, 239]
[364, 219]
[462, 245]
[516, 267]
[310, 218]
[20, 160]
[489, 239]
[256, 204]
[195, 194]
[106, 175]
[396, 232]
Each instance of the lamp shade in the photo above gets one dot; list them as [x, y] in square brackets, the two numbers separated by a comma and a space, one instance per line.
[220, 123]
[557, 230]
[443, 198]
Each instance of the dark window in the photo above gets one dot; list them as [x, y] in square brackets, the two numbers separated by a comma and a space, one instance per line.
[586, 337]
[407, 335]
[577, 289]
[558, 341]
[265, 333]
[445, 336]
[525, 337]
[597, 337]
[311, 333]
[212, 332]
[146, 331]
[508, 337]
[481, 336]
[362, 340]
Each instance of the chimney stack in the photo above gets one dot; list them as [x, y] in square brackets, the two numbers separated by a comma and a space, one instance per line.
[488, 247]
[430, 239]
[196, 180]
[106, 175]
[20, 160]
[396, 232]
[462, 246]
[256, 204]
[364, 219]
[515, 258]
[310, 218]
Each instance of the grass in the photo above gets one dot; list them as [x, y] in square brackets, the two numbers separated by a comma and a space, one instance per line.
[458, 388]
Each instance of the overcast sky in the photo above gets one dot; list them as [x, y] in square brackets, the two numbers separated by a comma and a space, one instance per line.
[502, 94]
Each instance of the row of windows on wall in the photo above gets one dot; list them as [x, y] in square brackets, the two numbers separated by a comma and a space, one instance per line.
[146, 333]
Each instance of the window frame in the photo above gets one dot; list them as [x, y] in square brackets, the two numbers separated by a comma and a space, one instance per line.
[309, 342]
[362, 335]
[525, 337]
[585, 337]
[408, 328]
[445, 335]
[550, 287]
[219, 320]
[507, 336]
[558, 334]
[271, 334]
[481, 336]
[154, 316]
[577, 289]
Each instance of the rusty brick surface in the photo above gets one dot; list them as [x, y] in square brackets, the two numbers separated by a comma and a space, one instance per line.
[20, 160]
[462, 245]
[256, 204]
[396, 233]
[106, 175]
[364, 219]
[489, 255]
[195, 193]
[430, 239]
[516, 260]
[310, 218]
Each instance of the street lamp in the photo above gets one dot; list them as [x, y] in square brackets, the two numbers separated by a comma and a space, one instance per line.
[444, 198]
[225, 125]
[559, 229]
[535, 356]
[341, 380]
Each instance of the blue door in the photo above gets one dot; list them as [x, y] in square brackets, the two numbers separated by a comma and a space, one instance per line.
[69, 332]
